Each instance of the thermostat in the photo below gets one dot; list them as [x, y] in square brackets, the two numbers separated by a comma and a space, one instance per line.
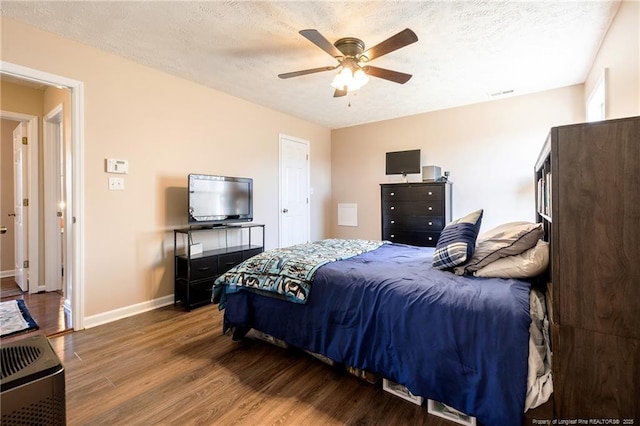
[117, 166]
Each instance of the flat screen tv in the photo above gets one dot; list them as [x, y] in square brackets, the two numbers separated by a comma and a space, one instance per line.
[219, 200]
[403, 162]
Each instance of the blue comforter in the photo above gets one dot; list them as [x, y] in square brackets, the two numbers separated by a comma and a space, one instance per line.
[459, 340]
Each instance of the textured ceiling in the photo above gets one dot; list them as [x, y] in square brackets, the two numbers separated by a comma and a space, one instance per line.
[466, 50]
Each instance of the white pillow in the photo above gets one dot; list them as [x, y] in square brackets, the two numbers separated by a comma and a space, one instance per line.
[528, 264]
[508, 239]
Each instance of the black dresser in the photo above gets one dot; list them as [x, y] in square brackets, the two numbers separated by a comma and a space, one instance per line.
[195, 274]
[415, 213]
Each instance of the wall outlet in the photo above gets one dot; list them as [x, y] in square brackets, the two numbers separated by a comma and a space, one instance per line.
[116, 184]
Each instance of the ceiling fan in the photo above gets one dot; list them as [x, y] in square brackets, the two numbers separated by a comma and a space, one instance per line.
[353, 59]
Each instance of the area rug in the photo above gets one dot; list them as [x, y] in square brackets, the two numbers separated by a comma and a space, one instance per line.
[15, 318]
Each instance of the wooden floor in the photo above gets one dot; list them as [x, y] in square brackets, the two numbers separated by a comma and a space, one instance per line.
[168, 366]
[47, 309]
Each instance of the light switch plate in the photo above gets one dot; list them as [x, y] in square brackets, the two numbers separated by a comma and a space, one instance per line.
[116, 184]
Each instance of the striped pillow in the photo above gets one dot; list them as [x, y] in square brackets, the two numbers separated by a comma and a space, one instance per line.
[457, 241]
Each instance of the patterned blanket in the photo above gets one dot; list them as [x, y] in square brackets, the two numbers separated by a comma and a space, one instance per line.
[288, 271]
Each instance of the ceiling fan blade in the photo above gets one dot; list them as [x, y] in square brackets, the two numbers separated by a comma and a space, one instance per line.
[318, 39]
[402, 39]
[305, 72]
[339, 93]
[395, 76]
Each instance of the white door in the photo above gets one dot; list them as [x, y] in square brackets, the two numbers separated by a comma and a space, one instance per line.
[20, 227]
[294, 191]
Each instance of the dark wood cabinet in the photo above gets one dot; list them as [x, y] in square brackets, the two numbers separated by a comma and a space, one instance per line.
[194, 274]
[415, 213]
[588, 197]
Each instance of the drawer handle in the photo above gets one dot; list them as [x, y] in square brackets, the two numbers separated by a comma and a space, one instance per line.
[430, 193]
[393, 193]
[204, 268]
[430, 208]
[430, 223]
[393, 208]
[430, 238]
[393, 235]
[393, 221]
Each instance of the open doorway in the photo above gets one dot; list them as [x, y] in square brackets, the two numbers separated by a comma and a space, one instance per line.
[67, 258]
[28, 247]
[53, 148]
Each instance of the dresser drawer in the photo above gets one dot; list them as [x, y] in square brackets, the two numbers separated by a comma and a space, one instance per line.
[202, 289]
[199, 292]
[228, 261]
[406, 208]
[246, 254]
[203, 267]
[415, 238]
[416, 223]
[412, 192]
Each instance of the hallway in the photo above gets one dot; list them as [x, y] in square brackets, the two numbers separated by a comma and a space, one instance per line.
[47, 309]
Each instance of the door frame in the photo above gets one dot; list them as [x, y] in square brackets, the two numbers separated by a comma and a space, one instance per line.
[52, 124]
[281, 138]
[31, 217]
[74, 182]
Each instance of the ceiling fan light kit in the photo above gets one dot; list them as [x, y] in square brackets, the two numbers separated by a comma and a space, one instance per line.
[351, 77]
[350, 54]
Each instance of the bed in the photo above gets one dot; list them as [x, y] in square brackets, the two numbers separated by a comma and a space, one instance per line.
[384, 308]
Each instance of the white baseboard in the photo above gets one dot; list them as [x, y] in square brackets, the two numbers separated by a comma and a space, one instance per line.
[5, 274]
[127, 311]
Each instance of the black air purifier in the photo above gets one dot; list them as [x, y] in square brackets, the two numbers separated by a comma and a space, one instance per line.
[32, 383]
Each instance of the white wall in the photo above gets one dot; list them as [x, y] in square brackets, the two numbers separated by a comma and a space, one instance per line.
[489, 148]
[620, 54]
[166, 127]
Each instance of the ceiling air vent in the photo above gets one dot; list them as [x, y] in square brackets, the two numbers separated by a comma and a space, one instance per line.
[501, 93]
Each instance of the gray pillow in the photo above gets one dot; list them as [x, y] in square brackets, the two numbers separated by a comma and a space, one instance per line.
[508, 239]
[524, 265]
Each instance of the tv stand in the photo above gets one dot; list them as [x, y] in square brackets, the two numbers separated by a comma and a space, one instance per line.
[210, 226]
[195, 273]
